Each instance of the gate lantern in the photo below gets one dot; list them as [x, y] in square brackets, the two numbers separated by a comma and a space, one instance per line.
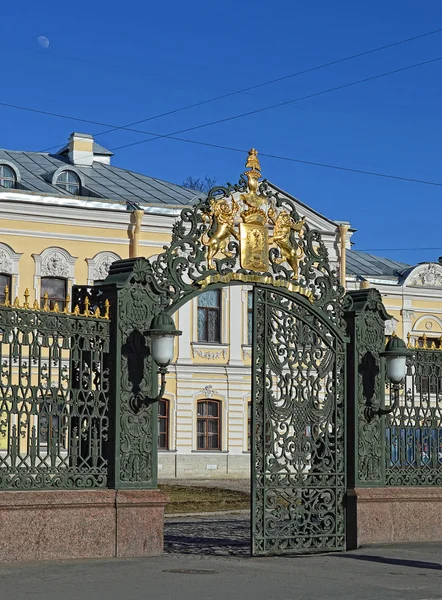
[162, 334]
[395, 354]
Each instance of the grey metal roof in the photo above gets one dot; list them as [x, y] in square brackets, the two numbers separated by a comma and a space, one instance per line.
[363, 264]
[100, 180]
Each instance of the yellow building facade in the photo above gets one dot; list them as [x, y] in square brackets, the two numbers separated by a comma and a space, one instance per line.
[65, 218]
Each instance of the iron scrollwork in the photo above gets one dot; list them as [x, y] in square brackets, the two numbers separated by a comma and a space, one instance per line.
[54, 387]
[298, 429]
[413, 437]
[366, 330]
[246, 232]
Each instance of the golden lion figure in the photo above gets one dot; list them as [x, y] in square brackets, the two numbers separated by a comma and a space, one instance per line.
[224, 217]
[283, 226]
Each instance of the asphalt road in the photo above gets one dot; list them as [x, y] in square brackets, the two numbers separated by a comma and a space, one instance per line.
[207, 559]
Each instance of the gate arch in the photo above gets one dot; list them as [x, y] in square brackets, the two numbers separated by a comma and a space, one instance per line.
[247, 233]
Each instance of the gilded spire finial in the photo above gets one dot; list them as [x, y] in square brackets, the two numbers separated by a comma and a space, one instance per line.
[26, 295]
[253, 162]
[409, 340]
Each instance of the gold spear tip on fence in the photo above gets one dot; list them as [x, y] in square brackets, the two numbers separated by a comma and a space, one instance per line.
[409, 340]
[86, 307]
[66, 306]
[26, 295]
[46, 302]
[106, 307]
[17, 303]
[7, 299]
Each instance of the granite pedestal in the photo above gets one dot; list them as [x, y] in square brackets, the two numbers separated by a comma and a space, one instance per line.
[393, 514]
[53, 525]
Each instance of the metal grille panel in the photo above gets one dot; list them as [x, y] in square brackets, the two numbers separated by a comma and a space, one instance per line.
[414, 428]
[53, 400]
[298, 462]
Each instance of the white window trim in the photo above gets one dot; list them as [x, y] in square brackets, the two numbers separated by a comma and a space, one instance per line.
[64, 270]
[96, 267]
[9, 266]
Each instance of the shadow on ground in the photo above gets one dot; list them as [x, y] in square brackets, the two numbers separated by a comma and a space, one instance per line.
[400, 562]
[208, 537]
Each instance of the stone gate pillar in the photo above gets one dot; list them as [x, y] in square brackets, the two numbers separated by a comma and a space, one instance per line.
[132, 443]
[365, 317]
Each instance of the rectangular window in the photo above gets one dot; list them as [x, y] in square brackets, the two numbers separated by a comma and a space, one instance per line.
[5, 281]
[208, 425]
[249, 317]
[209, 316]
[56, 290]
[163, 424]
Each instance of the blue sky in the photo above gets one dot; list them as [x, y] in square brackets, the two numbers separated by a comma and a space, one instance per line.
[120, 62]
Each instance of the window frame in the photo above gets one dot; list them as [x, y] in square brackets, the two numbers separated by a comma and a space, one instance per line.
[51, 301]
[249, 313]
[3, 296]
[249, 426]
[12, 177]
[207, 310]
[166, 419]
[206, 419]
[65, 185]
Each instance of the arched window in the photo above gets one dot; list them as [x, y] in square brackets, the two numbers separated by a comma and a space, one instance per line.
[5, 282]
[56, 289]
[209, 425]
[209, 316]
[70, 182]
[7, 177]
[163, 424]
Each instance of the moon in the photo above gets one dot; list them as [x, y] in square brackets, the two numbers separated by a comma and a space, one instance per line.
[43, 41]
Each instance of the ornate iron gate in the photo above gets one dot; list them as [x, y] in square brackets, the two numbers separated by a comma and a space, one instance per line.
[248, 233]
[298, 447]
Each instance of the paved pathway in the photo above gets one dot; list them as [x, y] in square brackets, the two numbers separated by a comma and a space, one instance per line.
[412, 572]
[208, 558]
[223, 535]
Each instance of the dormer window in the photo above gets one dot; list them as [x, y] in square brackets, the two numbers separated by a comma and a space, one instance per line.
[7, 177]
[70, 182]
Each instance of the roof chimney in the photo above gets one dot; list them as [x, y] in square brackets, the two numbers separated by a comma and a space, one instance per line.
[81, 149]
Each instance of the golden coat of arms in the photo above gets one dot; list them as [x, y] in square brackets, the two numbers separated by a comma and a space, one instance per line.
[253, 217]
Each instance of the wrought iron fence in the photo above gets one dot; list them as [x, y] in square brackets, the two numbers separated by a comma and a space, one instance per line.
[414, 428]
[53, 396]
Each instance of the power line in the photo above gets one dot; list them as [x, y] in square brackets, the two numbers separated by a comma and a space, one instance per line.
[280, 104]
[173, 135]
[266, 83]
[392, 249]
[232, 149]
